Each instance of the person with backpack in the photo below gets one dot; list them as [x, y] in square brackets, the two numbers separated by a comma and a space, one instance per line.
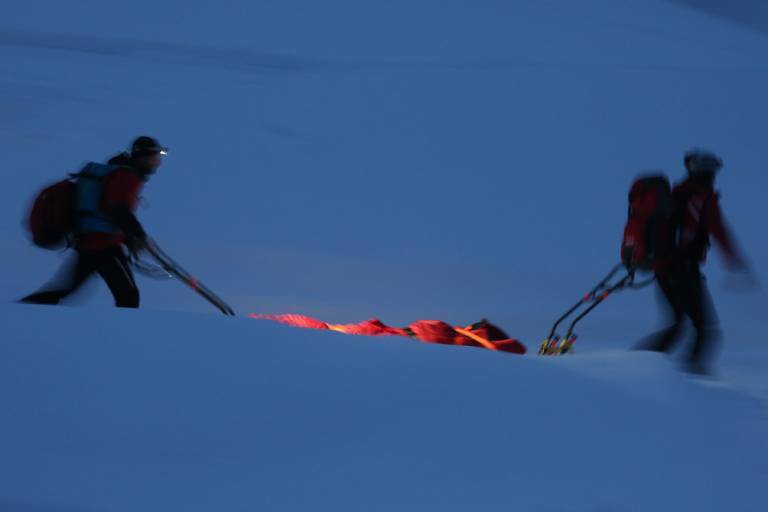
[695, 216]
[102, 199]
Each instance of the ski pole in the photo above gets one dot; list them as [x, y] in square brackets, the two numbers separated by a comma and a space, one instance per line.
[176, 270]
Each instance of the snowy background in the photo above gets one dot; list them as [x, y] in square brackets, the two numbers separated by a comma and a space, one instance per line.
[345, 159]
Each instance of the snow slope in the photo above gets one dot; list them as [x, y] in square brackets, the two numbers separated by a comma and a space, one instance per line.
[221, 414]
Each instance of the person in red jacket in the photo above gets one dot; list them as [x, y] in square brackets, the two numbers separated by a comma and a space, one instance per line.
[697, 217]
[103, 231]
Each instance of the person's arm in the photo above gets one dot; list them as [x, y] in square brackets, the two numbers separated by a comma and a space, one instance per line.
[127, 222]
[713, 217]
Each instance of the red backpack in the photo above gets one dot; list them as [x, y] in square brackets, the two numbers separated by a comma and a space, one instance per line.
[51, 219]
[649, 232]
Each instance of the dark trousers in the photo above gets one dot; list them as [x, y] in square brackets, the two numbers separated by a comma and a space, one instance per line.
[113, 267]
[686, 296]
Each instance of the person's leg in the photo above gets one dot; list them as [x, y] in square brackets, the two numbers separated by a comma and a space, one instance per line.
[114, 268]
[698, 306]
[70, 277]
[664, 340]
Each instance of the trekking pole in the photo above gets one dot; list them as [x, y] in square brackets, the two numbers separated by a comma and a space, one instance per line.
[177, 271]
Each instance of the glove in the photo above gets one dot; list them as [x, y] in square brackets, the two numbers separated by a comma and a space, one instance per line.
[741, 281]
[136, 244]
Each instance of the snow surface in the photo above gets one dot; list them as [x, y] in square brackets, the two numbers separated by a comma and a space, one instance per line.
[221, 414]
[404, 159]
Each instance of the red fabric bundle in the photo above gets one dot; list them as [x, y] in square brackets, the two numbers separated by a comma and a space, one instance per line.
[481, 334]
